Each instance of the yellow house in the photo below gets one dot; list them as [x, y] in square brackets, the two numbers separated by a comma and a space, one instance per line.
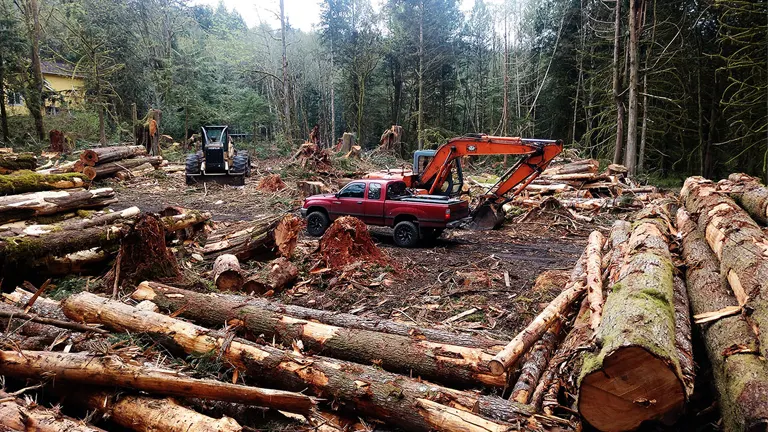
[63, 88]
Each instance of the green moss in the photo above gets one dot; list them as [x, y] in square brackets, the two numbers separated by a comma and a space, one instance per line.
[30, 181]
[24, 161]
[85, 213]
[68, 286]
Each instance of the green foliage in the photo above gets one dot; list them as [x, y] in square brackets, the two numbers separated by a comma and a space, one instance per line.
[68, 286]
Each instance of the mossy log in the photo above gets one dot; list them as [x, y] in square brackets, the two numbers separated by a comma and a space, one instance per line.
[751, 195]
[244, 240]
[459, 366]
[22, 252]
[17, 414]
[534, 366]
[144, 413]
[739, 244]
[556, 309]
[10, 162]
[227, 275]
[740, 373]
[102, 155]
[635, 374]
[30, 205]
[113, 371]
[110, 169]
[30, 181]
[402, 401]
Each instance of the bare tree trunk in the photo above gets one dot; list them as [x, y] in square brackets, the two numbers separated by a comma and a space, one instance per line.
[644, 127]
[102, 133]
[36, 103]
[420, 122]
[635, 28]
[286, 89]
[616, 83]
[332, 141]
[3, 113]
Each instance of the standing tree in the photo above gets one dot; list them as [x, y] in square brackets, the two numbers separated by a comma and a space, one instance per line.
[11, 52]
[33, 96]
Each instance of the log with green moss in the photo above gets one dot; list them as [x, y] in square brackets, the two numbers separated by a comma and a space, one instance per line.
[635, 375]
[10, 162]
[740, 373]
[740, 245]
[36, 204]
[409, 403]
[456, 365]
[30, 181]
[751, 195]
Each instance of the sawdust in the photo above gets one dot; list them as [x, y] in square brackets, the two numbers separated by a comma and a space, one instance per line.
[271, 183]
[347, 241]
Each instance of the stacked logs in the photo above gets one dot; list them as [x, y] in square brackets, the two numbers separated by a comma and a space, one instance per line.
[122, 162]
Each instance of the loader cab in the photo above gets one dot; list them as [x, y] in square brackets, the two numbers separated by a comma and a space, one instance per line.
[216, 146]
[452, 187]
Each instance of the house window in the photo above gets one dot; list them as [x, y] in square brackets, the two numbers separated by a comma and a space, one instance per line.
[15, 99]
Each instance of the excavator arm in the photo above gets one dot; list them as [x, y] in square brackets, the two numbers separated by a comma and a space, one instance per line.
[536, 156]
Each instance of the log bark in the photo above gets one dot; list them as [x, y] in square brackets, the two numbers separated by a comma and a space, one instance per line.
[370, 391]
[595, 278]
[282, 273]
[619, 238]
[340, 319]
[102, 155]
[20, 253]
[83, 262]
[29, 181]
[17, 414]
[10, 162]
[554, 310]
[113, 371]
[636, 338]
[30, 205]
[245, 240]
[101, 220]
[751, 195]
[134, 172]
[739, 244]
[227, 275]
[582, 166]
[110, 169]
[148, 414]
[534, 366]
[460, 366]
[187, 219]
[740, 373]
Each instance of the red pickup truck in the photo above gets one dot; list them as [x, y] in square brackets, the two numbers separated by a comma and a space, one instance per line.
[386, 203]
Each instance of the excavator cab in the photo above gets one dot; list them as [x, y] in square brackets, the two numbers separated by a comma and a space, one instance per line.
[453, 183]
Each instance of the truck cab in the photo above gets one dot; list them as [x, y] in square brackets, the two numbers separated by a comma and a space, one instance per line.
[386, 203]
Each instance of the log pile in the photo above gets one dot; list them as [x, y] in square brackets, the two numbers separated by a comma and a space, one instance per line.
[122, 162]
[11, 162]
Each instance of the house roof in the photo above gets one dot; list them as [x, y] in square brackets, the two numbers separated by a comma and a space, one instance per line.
[58, 68]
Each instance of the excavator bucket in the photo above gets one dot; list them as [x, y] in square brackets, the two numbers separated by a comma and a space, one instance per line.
[486, 217]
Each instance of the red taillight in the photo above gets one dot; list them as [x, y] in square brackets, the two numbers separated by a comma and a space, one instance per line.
[447, 214]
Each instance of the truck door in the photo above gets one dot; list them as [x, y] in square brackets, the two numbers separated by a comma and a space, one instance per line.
[374, 205]
[349, 201]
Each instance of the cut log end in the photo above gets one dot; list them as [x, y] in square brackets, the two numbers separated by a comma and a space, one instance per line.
[635, 383]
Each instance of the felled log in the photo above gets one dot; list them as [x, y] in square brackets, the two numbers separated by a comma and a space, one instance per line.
[28, 335]
[282, 273]
[10, 162]
[30, 205]
[245, 240]
[577, 177]
[620, 233]
[590, 204]
[227, 275]
[396, 399]
[86, 261]
[595, 278]
[636, 339]
[113, 371]
[187, 219]
[751, 195]
[537, 360]
[58, 168]
[17, 414]
[21, 252]
[30, 181]
[110, 169]
[439, 362]
[102, 155]
[134, 172]
[147, 414]
[143, 255]
[554, 310]
[582, 166]
[740, 246]
[740, 374]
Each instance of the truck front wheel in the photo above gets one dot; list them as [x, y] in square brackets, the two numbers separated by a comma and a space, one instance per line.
[317, 223]
[406, 234]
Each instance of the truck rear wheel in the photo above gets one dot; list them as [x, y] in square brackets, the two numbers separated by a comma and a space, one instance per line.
[406, 234]
[317, 223]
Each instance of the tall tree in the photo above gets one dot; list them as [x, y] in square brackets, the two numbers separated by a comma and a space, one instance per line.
[636, 8]
[33, 96]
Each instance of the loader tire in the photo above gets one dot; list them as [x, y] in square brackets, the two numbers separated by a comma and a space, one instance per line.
[241, 164]
[192, 168]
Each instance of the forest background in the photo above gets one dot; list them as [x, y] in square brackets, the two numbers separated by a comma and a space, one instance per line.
[667, 87]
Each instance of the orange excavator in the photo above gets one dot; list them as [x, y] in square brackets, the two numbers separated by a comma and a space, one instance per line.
[438, 172]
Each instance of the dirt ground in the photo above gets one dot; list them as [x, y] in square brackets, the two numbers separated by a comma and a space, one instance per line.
[493, 272]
